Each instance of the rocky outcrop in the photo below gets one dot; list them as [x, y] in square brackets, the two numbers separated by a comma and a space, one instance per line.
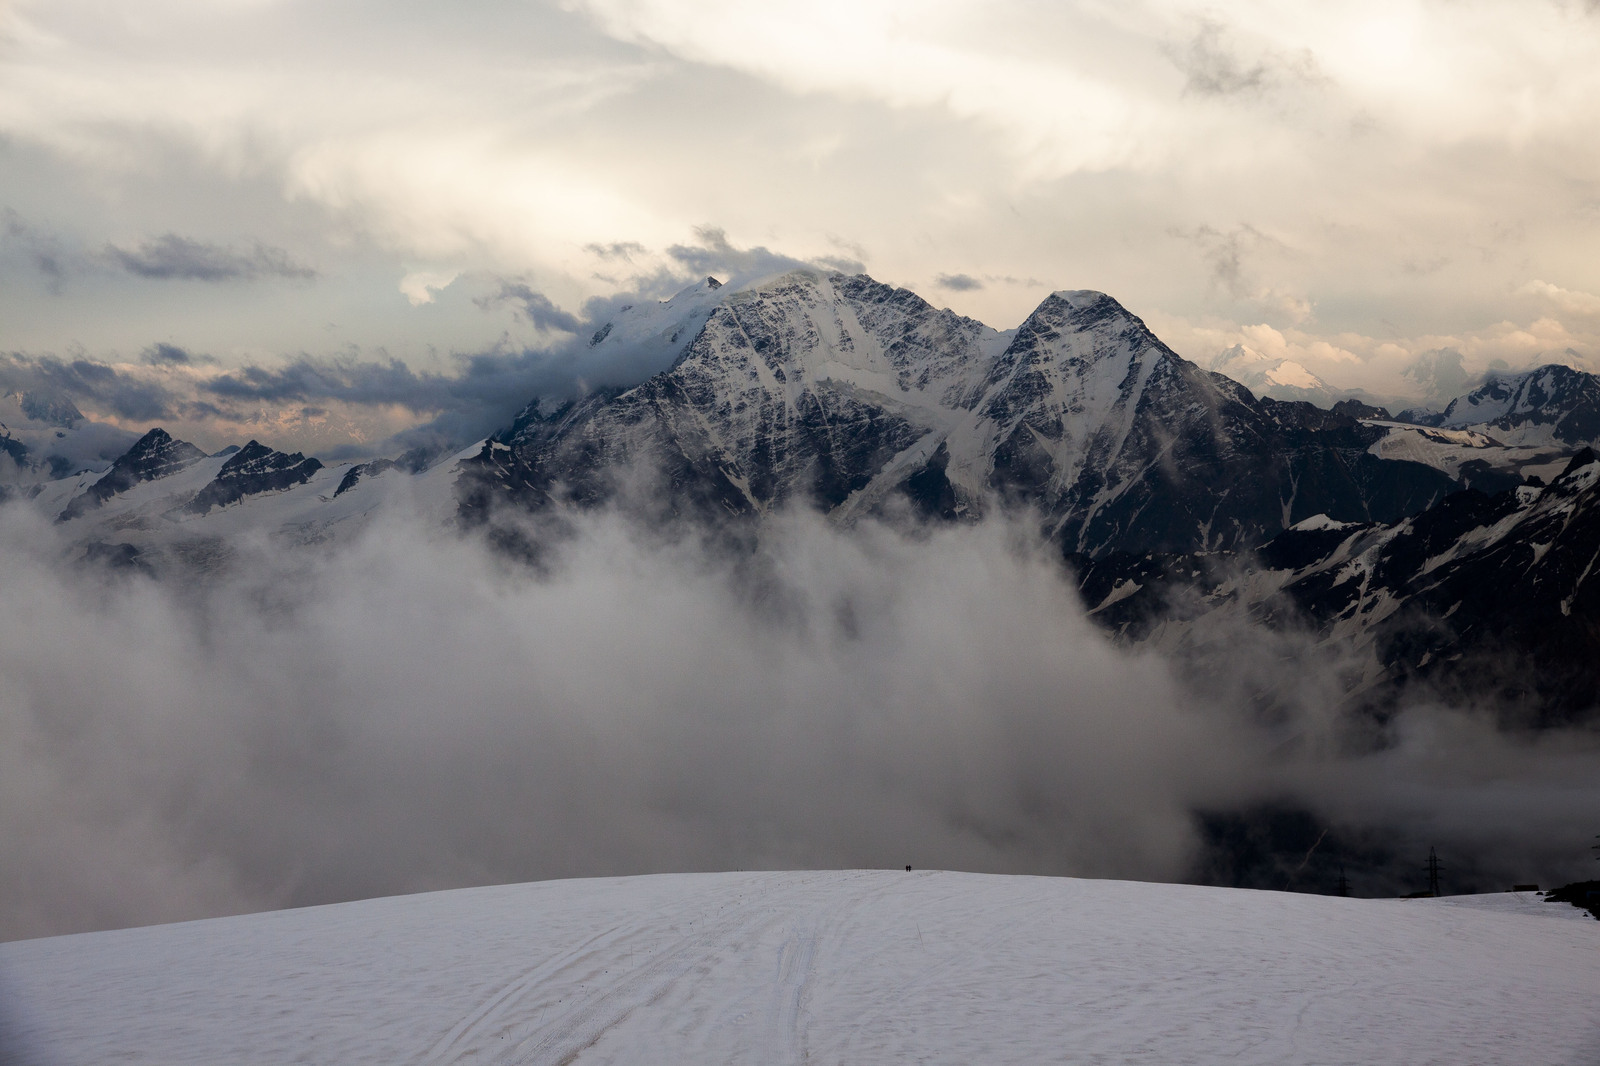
[254, 469]
[155, 455]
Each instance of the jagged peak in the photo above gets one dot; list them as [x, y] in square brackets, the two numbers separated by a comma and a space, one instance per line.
[1086, 308]
[1086, 299]
[152, 439]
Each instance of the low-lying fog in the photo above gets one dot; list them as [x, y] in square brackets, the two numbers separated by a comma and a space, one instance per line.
[408, 711]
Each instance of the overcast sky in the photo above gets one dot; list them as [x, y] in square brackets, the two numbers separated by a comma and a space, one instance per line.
[262, 181]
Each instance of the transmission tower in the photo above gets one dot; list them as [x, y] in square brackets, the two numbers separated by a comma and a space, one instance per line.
[1433, 869]
[1344, 883]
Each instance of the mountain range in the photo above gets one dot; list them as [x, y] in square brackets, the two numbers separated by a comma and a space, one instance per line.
[1445, 546]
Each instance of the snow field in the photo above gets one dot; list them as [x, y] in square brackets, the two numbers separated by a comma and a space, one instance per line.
[834, 967]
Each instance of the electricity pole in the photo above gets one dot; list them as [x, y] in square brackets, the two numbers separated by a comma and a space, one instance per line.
[1344, 884]
[1433, 869]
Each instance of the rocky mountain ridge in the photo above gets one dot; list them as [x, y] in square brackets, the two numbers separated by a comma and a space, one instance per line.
[852, 396]
[1174, 492]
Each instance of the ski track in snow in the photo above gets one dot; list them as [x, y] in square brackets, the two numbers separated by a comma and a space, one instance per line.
[847, 967]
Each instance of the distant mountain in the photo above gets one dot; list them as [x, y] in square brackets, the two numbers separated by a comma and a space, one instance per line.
[163, 497]
[1549, 404]
[1280, 379]
[46, 437]
[850, 395]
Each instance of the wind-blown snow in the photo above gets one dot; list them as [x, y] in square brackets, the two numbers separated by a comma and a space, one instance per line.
[854, 966]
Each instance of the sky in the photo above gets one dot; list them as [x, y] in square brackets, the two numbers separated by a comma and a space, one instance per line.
[191, 189]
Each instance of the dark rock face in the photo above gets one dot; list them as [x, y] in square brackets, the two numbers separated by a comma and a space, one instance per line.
[155, 455]
[255, 468]
[1488, 599]
[1504, 609]
[353, 476]
[13, 447]
[845, 394]
[1144, 451]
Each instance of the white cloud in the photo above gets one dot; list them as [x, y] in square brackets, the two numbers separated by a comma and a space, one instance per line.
[419, 286]
[1577, 303]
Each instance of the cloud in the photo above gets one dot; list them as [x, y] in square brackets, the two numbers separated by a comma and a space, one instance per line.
[535, 307]
[1061, 148]
[1225, 253]
[46, 252]
[1214, 64]
[403, 710]
[89, 383]
[170, 257]
[624, 250]
[958, 282]
[1440, 374]
[163, 354]
[419, 286]
[713, 253]
[1213, 69]
[1568, 300]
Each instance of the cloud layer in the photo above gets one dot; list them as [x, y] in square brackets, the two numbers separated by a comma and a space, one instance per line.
[1372, 175]
[405, 711]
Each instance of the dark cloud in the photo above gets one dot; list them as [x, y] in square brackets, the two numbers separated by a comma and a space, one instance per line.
[87, 382]
[163, 354]
[713, 254]
[958, 282]
[348, 381]
[171, 257]
[624, 250]
[840, 263]
[535, 307]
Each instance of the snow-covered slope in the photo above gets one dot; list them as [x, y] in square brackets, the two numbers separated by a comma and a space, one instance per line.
[854, 967]
[1470, 456]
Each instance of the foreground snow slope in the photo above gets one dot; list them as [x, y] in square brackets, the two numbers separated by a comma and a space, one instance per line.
[861, 966]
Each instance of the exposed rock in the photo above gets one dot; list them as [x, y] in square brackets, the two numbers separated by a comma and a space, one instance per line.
[255, 468]
[155, 455]
[843, 393]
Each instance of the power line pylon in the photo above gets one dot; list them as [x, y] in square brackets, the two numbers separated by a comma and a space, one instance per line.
[1433, 869]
